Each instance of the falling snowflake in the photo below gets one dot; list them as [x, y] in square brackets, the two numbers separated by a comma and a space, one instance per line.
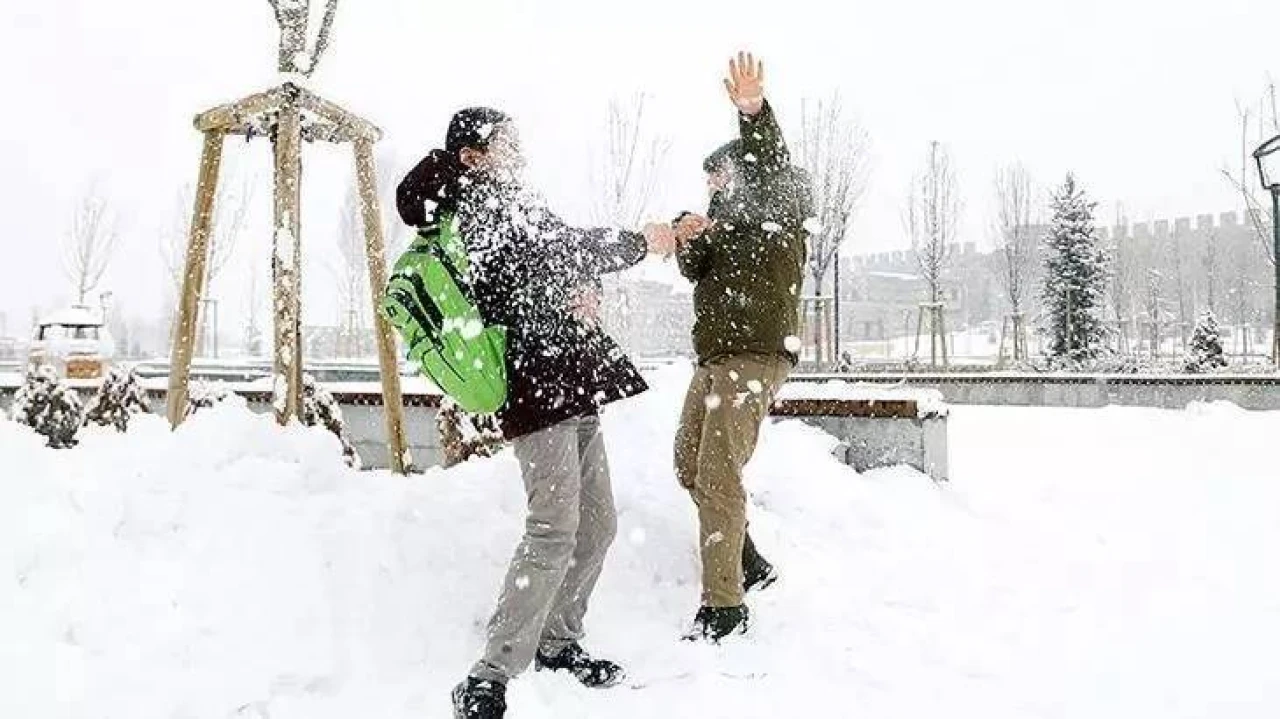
[749, 157]
[755, 386]
[793, 344]
[771, 226]
[812, 226]
[733, 375]
[522, 582]
[713, 402]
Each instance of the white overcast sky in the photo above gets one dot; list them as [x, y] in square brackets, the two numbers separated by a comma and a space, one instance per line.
[1135, 96]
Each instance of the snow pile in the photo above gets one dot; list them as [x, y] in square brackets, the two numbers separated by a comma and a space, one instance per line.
[929, 402]
[1100, 563]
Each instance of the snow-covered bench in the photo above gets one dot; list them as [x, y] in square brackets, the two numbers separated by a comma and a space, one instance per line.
[877, 426]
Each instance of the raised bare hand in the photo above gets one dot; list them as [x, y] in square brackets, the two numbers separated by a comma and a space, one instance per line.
[745, 83]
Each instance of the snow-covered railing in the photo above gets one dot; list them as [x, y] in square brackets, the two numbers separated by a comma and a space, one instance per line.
[841, 397]
[1030, 389]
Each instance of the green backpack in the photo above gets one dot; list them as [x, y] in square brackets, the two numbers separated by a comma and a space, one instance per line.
[428, 302]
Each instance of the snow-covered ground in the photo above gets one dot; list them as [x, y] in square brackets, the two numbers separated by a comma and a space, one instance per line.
[1083, 563]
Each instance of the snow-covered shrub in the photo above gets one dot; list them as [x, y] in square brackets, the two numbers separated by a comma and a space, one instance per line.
[47, 405]
[320, 409]
[1205, 353]
[204, 396]
[119, 398]
[463, 435]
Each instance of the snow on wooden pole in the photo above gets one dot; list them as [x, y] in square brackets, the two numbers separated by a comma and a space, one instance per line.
[375, 250]
[193, 280]
[287, 386]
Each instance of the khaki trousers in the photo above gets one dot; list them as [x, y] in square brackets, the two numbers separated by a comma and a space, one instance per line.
[727, 402]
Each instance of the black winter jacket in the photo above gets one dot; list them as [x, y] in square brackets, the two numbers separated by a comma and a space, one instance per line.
[526, 267]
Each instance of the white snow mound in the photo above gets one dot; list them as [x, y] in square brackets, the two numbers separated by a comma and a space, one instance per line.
[234, 569]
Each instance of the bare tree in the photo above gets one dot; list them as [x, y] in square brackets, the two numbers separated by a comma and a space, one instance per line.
[1211, 266]
[1121, 291]
[294, 18]
[932, 218]
[1182, 288]
[350, 267]
[1254, 127]
[231, 209]
[629, 165]
[625, 175]
[1017, 209]
[351, 273]
[834, 150]
[89, 245]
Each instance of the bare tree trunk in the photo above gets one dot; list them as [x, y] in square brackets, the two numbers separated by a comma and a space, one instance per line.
[294, 19]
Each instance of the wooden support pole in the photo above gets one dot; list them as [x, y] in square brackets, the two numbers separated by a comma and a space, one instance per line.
[287, 388]
[184, 330]
[375, 250]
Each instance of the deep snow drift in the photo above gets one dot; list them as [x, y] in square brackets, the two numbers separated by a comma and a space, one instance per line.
[1083, 563]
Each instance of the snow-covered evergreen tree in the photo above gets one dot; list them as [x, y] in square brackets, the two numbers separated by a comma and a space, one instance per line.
[47, 405]
[120, 397]
[1205, 353]
[1075, 282]
[463, 436]
[320, 409]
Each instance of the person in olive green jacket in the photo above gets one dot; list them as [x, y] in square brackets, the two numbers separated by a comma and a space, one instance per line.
[746, 260]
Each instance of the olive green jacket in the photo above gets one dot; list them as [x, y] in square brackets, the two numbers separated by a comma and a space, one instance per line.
[748, 268]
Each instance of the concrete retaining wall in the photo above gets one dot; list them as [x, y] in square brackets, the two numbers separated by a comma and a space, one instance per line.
[867, 443]
[1168, 392]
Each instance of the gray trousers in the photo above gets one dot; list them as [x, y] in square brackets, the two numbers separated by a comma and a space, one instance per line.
[571, 523]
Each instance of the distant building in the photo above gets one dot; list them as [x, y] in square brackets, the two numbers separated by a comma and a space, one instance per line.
[649, 318]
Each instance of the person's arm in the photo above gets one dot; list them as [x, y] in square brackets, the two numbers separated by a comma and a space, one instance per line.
[762, 141]
[599, 251]
[609, 251]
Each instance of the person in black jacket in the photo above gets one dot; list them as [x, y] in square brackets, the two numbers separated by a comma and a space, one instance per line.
[538, 277]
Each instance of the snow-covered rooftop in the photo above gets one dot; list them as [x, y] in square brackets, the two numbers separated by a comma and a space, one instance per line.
[75, 316]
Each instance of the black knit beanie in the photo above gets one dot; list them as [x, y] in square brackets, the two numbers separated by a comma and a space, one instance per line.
[433, 186]
[728, 154]
[473, 127]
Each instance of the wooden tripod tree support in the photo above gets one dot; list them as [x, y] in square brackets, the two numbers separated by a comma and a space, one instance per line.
[935, 314]
[288, 115]
[1013, 331]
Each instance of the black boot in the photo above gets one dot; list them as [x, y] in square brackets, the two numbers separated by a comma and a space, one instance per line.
[594, 673]
[715, 623]
[757, 572]
[479, 699]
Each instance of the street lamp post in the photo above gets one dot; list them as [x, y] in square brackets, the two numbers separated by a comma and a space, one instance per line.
[1268, 157]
